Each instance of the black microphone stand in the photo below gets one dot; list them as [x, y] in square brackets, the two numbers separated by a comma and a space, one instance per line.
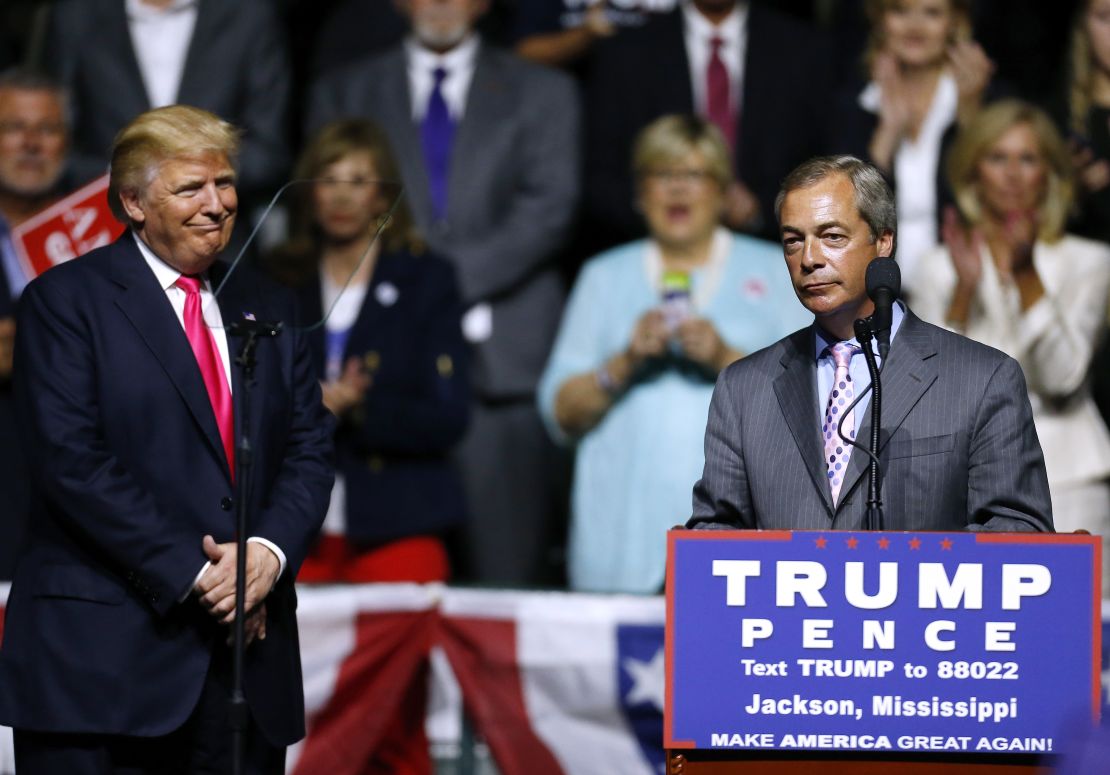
[250, 331]
[873, 519]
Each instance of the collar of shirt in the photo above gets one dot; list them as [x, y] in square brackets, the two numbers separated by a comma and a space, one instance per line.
[459, 63]
[167, 276]
[733, 32]
[160, 38]
[826, 368]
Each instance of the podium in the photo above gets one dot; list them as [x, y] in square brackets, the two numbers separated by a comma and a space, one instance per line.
[842, 652]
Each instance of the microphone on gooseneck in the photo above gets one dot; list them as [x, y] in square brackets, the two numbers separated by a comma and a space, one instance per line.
[884, 284]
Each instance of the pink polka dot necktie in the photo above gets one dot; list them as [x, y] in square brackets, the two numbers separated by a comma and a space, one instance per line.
[837, 452]
[203, 343]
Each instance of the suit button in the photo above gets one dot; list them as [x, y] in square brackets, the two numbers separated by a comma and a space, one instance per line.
[376, 464]
[226, 504]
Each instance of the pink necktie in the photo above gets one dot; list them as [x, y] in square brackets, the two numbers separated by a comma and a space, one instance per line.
[837, 451]
[718, 94]
[203, 342]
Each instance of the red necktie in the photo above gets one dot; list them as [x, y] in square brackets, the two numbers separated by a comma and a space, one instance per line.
[203, 342]
[718, 94]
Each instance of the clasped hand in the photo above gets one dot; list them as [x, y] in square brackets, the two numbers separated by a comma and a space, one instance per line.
[696, 338]
[216, 588]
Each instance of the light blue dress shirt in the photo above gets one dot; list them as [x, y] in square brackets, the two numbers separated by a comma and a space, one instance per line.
[826, 369]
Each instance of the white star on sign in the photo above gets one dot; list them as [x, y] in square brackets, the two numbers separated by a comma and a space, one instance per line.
[648, 680]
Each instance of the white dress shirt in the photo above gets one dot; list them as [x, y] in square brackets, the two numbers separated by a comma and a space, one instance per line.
[1054, 341]
[915, 170]
[342, 305]
[167, 278]
[459, 63]
[160, 38]
[733, 32]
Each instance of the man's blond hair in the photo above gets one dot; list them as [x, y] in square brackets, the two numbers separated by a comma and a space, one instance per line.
[175, 131]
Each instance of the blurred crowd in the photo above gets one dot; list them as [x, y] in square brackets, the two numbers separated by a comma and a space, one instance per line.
[536, 231]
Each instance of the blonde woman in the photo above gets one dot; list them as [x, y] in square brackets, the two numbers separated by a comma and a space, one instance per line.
[648, 326]
[1088, 117]
[926, 76]
[1010, 277]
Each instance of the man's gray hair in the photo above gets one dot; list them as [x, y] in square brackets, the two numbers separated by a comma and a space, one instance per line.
[874, 198]
[21, 78]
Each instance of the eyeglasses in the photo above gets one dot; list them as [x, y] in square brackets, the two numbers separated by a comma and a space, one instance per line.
[44, 129]
[688, 176]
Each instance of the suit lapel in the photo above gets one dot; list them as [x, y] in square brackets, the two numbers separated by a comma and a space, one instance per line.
[144, 304]
[672, 64]
[910, 371]
[234, 304]
[198, 59]
[114, 34]
[404, 135]
[759, 50]
[488, 104]
[796, 390]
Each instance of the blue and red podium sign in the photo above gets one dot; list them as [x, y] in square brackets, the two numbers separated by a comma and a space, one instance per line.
[908, 642]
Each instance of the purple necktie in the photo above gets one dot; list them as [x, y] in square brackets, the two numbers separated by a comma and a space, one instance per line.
[436, 135]
[841, 396]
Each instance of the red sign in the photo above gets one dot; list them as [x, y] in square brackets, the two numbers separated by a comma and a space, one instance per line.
[69, 228]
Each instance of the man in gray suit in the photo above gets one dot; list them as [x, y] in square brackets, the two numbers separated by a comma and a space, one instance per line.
[487, 145]
[959, 450]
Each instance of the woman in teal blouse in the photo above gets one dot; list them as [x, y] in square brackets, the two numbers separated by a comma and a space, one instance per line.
[648, 327]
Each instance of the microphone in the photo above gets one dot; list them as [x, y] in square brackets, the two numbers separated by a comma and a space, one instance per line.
[884, 284]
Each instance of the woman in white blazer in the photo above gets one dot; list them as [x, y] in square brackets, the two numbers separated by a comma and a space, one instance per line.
[1008, 276]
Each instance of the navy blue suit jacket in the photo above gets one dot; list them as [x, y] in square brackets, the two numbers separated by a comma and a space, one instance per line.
[393, 449]
[129, 475]
[13, 468]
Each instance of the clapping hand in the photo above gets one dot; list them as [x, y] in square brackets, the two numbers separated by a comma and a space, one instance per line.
[596, 20]
[964, 247]
[741, 207]
[343, 394]
[7, 347]
[1093, 174]
[895, 111]
[1019, 233]
[972, 69]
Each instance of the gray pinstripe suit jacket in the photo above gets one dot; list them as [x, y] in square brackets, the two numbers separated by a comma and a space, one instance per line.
[959, 450]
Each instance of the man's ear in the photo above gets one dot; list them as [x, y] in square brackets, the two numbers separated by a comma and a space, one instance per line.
[884, 246]
[132, 205]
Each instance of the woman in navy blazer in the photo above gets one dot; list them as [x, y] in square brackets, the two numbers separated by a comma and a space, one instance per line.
[391, 359]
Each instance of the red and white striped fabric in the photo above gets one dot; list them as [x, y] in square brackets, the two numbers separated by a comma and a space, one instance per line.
[555, 683]
[560, 683]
